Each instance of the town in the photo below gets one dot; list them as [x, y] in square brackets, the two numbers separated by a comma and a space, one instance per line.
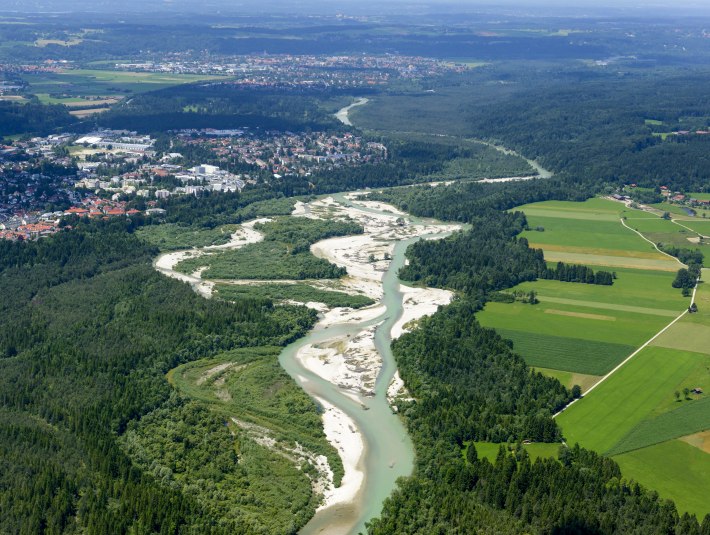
[287, 70]
[99, 173]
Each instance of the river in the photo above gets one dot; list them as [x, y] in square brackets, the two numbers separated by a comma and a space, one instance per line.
[388, 452]
[343, 114]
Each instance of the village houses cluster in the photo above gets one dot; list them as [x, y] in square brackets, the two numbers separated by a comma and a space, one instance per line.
[287, 70]
[95, 174]
[287, 153]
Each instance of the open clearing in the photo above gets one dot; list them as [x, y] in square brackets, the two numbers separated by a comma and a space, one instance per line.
[536, 450]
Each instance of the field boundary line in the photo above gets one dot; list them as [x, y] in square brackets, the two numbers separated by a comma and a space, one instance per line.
[688, 228]
[649, 241]
[627, 359]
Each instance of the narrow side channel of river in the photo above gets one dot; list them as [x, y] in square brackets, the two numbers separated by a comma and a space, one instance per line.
[388, 451]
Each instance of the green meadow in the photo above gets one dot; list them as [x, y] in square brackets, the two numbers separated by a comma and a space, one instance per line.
[579, 332]
[691, 416]
[634, 290]
[103, 82]
[601, 419]
[569, 379]
[575, 322]
[591, 233]
[536, 450]
[678, 211]
[567, 354]
[681, 472]
[700, 226]
[588, 329]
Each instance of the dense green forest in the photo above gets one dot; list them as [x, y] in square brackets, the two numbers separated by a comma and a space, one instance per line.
[592, 125]
[302, 293]
[218, 105]
[89, 330]
[32, 117]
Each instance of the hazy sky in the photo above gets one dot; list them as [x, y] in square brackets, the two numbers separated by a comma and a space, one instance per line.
[361, 6]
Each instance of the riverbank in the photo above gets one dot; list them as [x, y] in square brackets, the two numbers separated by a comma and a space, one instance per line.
[165, 263]
[353, 359]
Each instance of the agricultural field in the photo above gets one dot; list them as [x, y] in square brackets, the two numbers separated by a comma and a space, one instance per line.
[653, 414]
[605, 330]
[591, 233]
[580, 332]
[680, 472]
[88, 82]
[567, 354]
[630, 395]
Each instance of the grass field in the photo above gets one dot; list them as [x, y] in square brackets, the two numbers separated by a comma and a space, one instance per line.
[634, 415]
[569, 379]
[691, 416]
[634, 290]
[567, 354]
[629, 396]
[700, 226]
[603, 324]
[610, 326]
[679, 212]
[680, 472]
[536, 450]
[591, 233]
[85, 82]
[686, 336]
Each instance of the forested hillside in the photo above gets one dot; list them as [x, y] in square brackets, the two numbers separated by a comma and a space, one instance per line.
[89, 330]
[592, 125]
